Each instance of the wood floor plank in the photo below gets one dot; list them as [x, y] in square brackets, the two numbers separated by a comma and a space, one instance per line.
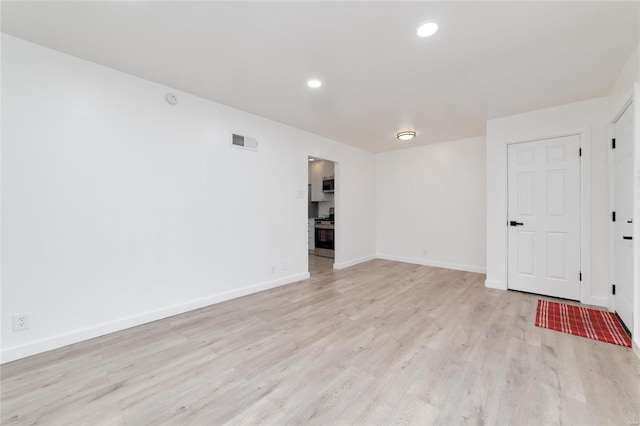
[379, 343]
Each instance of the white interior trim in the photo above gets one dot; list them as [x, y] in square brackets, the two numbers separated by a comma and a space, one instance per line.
[496, 285]
[636, 221]
[435, 263]
[346, 264]
[585, 215]
[337, 235]
[612, 194]
[60, 340]
[631, 101]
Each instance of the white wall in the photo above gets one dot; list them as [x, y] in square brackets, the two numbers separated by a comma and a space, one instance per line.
[431, 205]
[118, 208]
[324, 208]
[590, 118]
[622, 88]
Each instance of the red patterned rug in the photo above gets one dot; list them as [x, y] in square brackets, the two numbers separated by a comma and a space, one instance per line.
[589, 323]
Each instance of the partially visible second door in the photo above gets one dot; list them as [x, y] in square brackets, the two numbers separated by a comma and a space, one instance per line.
[544, 217]
[623, 226]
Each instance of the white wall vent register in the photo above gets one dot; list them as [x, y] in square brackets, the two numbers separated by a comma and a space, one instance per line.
[245, 142]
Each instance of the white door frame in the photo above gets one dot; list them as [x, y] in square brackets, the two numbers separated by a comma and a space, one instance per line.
[585, 211]
[632, 99]
[636, 220]
[337, 203]
[612, 198]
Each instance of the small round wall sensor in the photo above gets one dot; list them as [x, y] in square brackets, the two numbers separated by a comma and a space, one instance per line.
[171, 98]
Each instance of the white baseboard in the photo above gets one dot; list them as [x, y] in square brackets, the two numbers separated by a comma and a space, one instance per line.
[496, 285]
[352, 262]
[434, 263]
[597, 301]
[75, 336]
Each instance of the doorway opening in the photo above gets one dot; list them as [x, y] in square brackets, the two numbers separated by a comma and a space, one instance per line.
[321, 215]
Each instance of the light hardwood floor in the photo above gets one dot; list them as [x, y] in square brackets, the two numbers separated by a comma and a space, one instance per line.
[378, 343]
[318, 264]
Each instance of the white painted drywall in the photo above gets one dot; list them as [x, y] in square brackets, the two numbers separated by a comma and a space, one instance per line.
[589, 117]
[431, 205]
[324, 208]
[118, 208]
[622, 89]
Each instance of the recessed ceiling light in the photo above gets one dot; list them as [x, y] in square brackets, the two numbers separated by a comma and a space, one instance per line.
[314, 84]
[406, 135]
[312, 159]
[427, 29]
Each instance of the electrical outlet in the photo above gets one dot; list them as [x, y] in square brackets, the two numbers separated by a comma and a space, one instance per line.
[273, 269]
[284, 266]
[21, 322]
[424, 252]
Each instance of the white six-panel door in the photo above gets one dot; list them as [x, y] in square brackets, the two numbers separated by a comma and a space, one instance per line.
[544, 217]
[623, 226]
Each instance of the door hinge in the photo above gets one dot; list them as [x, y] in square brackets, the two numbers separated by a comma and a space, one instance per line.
[580, 152]
[613, 216]
[613, 289]
[613, 143]
[580, 276]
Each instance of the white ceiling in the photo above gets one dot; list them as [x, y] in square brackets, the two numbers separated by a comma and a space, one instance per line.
[489, 59]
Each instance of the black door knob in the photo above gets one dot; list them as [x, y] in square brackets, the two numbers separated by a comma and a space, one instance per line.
[514, 223]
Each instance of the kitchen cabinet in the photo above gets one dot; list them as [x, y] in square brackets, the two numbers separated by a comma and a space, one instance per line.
[318, 170]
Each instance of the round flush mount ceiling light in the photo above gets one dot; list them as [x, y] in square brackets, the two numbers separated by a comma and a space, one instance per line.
[314, 84]
[427, 29]
[406, 135]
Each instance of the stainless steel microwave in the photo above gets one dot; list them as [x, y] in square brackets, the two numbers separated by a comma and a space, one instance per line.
[327, 185]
